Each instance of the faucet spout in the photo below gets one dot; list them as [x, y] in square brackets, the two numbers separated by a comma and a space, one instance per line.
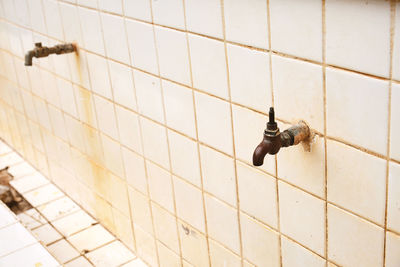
[43, 51]
[28, 57]
[260, 152]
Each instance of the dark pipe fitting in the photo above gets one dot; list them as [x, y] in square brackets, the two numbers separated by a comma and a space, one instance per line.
[43, 51]
[273, 139]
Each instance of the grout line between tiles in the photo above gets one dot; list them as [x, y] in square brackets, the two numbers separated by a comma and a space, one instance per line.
[323, 11]
[392, 30]
[233, 132]
[123, 163]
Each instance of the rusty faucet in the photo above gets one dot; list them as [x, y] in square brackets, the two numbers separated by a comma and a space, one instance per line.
[43, 51]
[273, 139]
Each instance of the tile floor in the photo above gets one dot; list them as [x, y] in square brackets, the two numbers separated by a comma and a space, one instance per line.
[56, 231]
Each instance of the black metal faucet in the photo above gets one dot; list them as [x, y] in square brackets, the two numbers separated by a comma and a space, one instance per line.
[273, 139]
[43, 51]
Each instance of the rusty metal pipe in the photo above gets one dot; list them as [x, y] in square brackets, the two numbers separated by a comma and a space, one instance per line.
[273, 139]
[43, 51]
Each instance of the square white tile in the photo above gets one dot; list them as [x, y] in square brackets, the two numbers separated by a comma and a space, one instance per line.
[99, 77]
[392, 249]
[29, 182]
[260, 244]
[363, 189]
[169, 13]
[134, 170]
[46, 234]
[70, 20]
[85, 105]
[111, 6]
[115, 39]
[149, 95]
[63, 251]
[147, 251]
[160, 186]
[112, 155]
[298, 91]
[129, 129]
[155, 142]
[353, 241]
[296, 28]
[53, 18]
[166, 256]
[220, 256]
[358, 35]
[249, 75]
[353, 101]
[106, 114]
[213, 113]
[112, 254]
[140, 208]
[197, 11]
[194, 246]
[296, 255]
[222, 223]
[27, 221]
[122, 84]
[208, 62]
[73, 223]
[138, 9]
[43, 195]
[246, 22]
[257, 187]
[189, 204]
[302, 217]
[165, 226]
[218, 171]
[141, 44]
[91, 30]
[90, 238]
[173, 55]
[58, 208]
[393, 201]
[396, 46]
[395, 122]
[184, 157]
[118, 195]
[179, 108]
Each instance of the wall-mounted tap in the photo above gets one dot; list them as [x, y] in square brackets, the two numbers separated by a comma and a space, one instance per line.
[43, 51]
[273, 139]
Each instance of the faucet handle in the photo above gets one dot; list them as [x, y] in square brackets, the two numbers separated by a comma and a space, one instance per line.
[272, 125]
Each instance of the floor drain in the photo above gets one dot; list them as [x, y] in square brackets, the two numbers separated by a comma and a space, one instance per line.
[9, 195]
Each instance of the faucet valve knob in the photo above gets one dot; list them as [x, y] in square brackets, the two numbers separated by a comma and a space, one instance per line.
[272, 125]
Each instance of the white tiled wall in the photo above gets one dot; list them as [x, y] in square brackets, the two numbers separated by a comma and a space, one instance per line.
[152, 126]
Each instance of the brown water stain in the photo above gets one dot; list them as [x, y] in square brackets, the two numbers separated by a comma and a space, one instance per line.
[101, 177]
